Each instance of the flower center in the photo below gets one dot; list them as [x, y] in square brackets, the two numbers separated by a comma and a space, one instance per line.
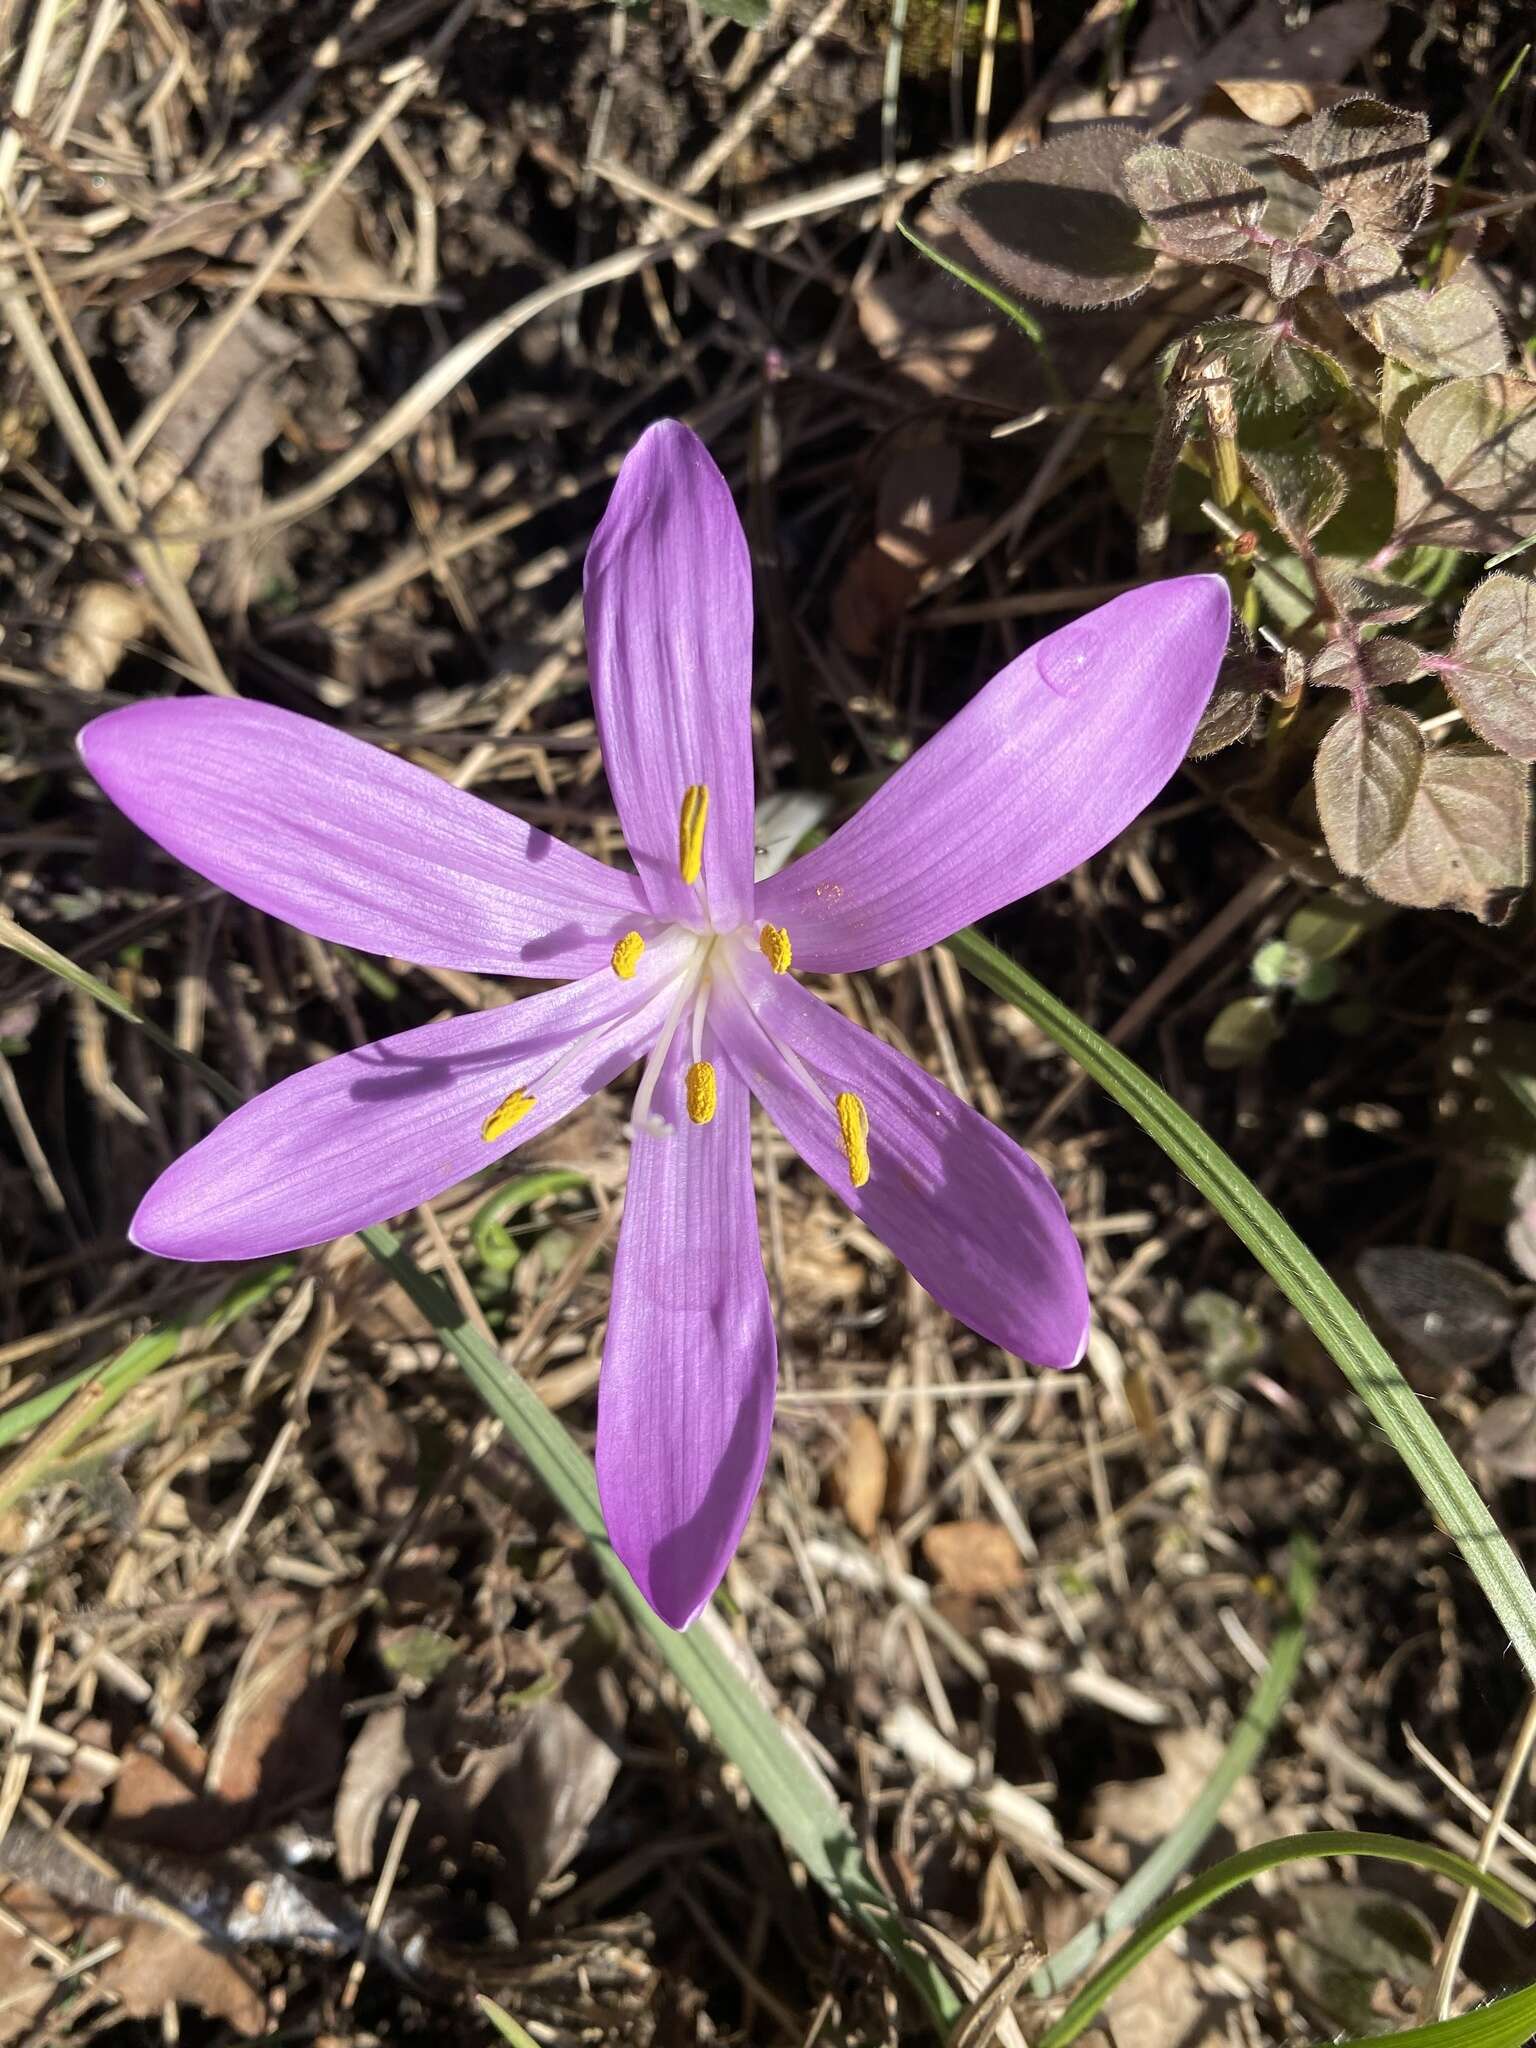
[693, 957]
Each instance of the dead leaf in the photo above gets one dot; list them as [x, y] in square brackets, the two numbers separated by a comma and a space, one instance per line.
[103, 618]
[152, 1967]
[531, 1795]
[973, 1558]
[860, 1474]
[283, 1743]
[1129, 1817]
[1174, 66]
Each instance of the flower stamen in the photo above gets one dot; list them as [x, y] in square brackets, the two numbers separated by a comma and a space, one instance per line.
[853, 1128]
[773, 943]
[702, 1092]
[508, 1115]
[690, 831]
[626, 955]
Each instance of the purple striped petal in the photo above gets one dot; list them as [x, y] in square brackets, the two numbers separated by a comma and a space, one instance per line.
[343, 840]
[685, 1402]
[1055, 756]
[968, 1213]
[669, 645]
[370, 1133]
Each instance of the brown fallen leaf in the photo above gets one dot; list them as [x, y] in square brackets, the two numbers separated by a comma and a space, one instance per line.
[1173, 66]
[860, 1474]
[282, 1741]
[531, 1795]
[973, 1558]
[151, 1968]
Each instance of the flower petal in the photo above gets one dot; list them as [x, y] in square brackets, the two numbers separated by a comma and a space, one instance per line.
[343, 840]
[685, 1402]
[1054, 757]
[369, 1133]
[669, 645]
[966, 1210]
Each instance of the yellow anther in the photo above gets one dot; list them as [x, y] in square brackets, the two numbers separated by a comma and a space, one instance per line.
[626, 955]
[510, 1114]
[853, 1127]
[776, 949]
[702, 1094]
[690, 831]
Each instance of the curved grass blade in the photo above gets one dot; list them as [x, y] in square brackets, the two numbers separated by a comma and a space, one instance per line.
[1506, 2023]
[1225, 1877]
[1147, 1884]
[1337, 1325]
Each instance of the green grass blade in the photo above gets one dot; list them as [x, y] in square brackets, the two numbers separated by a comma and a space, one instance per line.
[504, 2023]
[1147, 1884]
[1337, 1325]
[145, 1355]
[1506, 2023]
[1225, 1877]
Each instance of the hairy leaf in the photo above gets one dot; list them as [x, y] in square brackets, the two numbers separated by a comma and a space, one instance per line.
[1455, 1311]
[1456, 331]
[1371, 159]
[1290, 202]
[1230, 716]
[1466, 468]
[1365, 664]
[1465, 843]
[1056, 223]
[1492, 673]
[1366, 598]
[1278, 382]
[1301, 488]
[1200, 208]
[1367, 772]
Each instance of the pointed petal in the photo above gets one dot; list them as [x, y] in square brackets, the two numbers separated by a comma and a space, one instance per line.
[370, 1133]
[1055, 756]
[966, 1210]
[343, 840]
[669, 645]
[685, 1403]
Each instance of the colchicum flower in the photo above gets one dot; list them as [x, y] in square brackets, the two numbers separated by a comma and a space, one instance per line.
[687, 965]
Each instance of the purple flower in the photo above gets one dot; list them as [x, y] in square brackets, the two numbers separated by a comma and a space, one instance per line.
[686, 965]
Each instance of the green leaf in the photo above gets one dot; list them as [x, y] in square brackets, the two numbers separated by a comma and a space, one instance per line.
[1338, 1327]
[1241, 1033]
[1225, 1877]
[1055, 223]
[1349, 664]
[1201, 209]
[1466, 466]
[1301, 488]
[1278, 382]
[1492, 669]
[1456, 331]
[1367, 773]
[1466, 843]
